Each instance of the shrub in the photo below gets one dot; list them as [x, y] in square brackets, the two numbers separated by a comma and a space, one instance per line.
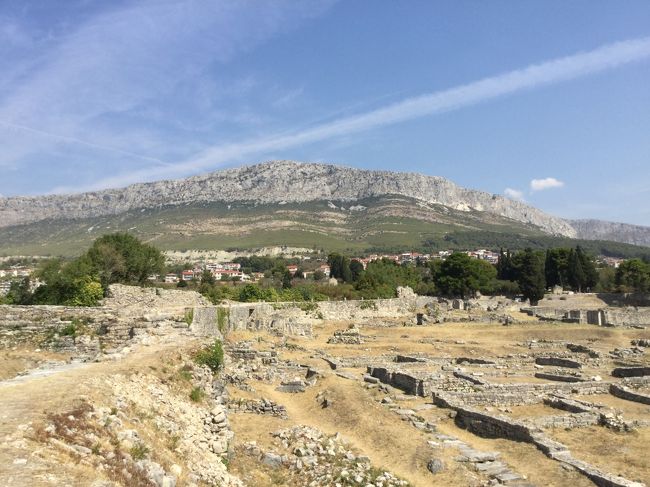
[69, 330]
[139, 451]
[185, 372]
[189, 316]
[212, 356]
[197, 394]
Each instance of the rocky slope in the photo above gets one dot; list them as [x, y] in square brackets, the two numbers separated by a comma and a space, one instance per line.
[275, 182]
[617, 232]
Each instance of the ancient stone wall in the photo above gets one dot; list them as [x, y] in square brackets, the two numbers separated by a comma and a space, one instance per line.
[631, 371]
[485, 424]
[407, 382]
[626, 317]
[629, 394]
[128, 312]
[280, 319]
[558, 362]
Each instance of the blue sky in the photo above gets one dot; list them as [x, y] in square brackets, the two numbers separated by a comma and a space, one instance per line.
[547, 101]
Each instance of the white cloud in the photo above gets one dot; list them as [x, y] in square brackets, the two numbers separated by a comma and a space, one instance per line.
[546, 183]
[514, 194]
[554, 71]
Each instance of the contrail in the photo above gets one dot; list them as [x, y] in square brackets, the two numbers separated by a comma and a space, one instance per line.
[557, 70]
[73, 140]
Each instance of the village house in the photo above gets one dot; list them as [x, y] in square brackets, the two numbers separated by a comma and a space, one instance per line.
[188, 275]
[171, 278]
[230, 275]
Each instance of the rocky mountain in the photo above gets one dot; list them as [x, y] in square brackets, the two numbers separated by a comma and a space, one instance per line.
[290, 203]
[275, 182]
[616, 232]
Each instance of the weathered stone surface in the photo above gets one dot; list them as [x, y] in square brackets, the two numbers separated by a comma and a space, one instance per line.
[435, 465]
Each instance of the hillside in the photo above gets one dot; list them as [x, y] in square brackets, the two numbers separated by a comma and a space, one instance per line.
[619, 232]
[295, 204]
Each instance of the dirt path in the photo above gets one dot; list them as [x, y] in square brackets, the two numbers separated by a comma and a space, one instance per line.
[27, 399]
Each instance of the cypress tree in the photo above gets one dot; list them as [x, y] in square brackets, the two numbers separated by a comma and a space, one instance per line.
[532, 281]
[577, 277]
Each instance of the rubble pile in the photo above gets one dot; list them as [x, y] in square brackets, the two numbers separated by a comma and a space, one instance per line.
[316, 459]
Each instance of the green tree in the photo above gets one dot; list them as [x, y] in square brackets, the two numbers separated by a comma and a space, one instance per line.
[382, 277]
[556, 267]
[461, 275]
[207, 278]
[505, 267]
[300, 272]
[121, 257]
[582, 272]
[19, 292]
[633, 275]
[531, 279]
[87, 293]
[356, 268]
[286, 280]
[339, 267]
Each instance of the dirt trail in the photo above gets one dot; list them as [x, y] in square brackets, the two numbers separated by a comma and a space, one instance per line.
[28, 399]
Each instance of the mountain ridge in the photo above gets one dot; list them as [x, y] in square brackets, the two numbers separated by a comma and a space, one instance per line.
[283, 181]
[273, 182]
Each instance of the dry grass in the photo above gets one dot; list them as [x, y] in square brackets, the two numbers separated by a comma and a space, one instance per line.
[17, 361]
[624, 454]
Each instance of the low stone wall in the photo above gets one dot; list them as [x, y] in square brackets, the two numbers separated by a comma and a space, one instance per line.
[488, 425]
[86, 331]
[638, 316]
[629, 394]
[405, 381]
[567, 404]
[281, 318]
[578, 348]
[559, 377]
[558, 362]
[519, 394]
[65, 329]
[620, 317]
[631, 371]
[567, 421]
[262, 406]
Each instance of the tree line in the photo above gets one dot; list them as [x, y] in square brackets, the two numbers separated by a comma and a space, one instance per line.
[122, 258]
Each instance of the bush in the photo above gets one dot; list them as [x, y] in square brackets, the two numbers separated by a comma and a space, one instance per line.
[69, 330]
[211, 356]
[139, 451]
[189, 316]
[197, 394]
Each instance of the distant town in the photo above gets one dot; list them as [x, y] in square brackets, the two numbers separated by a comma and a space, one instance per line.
[310, 267]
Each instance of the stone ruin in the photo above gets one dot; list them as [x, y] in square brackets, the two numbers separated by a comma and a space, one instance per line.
[351, 336]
